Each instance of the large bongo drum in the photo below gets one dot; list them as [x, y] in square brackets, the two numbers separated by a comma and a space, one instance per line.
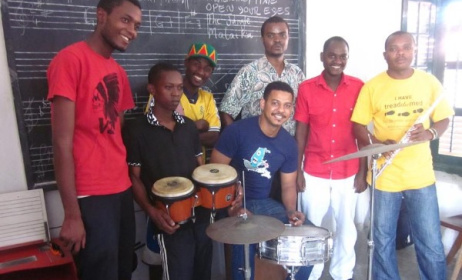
[216, 185]
[176, 195]
[298, 246]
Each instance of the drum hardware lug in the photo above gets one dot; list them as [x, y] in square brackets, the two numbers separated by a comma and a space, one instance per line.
[292, 270]
[212, 217]
[213, 213]
[167, 208]
[193, 214]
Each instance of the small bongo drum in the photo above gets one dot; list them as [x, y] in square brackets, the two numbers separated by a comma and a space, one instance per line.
[177, 196]
[217, 185]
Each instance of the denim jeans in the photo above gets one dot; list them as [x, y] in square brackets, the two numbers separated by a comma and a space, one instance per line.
[422, 207]
[267, 207]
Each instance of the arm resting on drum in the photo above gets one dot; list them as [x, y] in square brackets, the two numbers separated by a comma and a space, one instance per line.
[289, 197]
[159, 217]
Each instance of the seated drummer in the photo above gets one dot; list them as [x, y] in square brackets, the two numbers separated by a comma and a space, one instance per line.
[162, 144]
[259, 147]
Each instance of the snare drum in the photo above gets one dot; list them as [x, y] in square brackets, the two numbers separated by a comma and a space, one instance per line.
[217, 185]
[298, 246]
[176, 195]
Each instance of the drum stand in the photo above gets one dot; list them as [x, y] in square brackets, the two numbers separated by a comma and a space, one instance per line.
[370, 242]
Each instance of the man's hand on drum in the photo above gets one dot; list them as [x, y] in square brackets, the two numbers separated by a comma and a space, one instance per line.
[296, 218]
[163, 221]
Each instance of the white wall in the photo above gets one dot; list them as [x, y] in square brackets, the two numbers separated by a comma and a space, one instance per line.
[364, 31]
[12, 175]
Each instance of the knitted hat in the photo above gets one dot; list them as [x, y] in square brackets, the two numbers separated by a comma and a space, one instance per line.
[203, 50]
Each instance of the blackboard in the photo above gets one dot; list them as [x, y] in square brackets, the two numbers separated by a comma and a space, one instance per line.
[35, 30]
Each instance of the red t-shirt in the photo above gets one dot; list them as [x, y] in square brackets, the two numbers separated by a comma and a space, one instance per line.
[100, 89]
[328, 114]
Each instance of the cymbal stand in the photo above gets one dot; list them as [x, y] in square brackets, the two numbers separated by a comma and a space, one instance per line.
[247, 270]
[370, 242]
[292, 270]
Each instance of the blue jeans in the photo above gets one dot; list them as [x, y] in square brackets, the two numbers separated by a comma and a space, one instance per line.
[422, 207]
[267, 207]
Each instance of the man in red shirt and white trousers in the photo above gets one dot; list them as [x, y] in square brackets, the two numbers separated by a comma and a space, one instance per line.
[324, 132]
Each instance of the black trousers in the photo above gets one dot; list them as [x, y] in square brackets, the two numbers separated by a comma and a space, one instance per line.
[188, 252]
[109, 222]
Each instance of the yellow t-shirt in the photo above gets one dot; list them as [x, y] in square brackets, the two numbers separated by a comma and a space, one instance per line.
[393, 106]
[204, 108]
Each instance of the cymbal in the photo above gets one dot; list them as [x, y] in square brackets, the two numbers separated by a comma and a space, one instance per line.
[374, 149]
[237, 230]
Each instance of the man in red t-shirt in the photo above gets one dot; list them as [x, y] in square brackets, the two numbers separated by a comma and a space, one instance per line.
[324, 132]
[89, 92]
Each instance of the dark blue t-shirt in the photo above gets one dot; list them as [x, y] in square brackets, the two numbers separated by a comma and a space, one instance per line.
[258, 155]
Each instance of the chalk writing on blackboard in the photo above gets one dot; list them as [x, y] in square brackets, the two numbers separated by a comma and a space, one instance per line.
[35, 30]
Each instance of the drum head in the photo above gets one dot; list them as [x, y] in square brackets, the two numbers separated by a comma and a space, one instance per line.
[215, 174]
[172, 187]
[306, 231]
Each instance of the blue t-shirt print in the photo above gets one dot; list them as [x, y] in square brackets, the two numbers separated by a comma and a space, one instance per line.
[257, 162]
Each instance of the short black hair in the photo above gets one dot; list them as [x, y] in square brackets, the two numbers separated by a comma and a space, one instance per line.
[277, 85]
[274, 19]
[334, 39]
[108, 5]
[156, 71]
[398, 33]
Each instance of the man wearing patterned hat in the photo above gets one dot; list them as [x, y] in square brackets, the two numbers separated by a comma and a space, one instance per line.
[197, 103]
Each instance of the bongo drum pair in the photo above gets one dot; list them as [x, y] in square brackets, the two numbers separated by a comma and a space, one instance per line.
[216, 189]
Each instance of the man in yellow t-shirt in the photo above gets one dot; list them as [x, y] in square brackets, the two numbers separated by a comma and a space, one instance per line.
[393, 101]
[197, 103]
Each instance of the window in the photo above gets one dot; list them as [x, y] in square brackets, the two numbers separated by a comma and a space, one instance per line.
[437, 27]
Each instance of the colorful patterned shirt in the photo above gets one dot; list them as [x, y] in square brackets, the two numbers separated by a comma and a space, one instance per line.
[244, 94]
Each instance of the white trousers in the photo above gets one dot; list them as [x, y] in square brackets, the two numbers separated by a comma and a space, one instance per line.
[319, 195]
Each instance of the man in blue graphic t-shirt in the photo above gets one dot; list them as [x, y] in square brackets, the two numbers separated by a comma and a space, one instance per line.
[258, 147]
